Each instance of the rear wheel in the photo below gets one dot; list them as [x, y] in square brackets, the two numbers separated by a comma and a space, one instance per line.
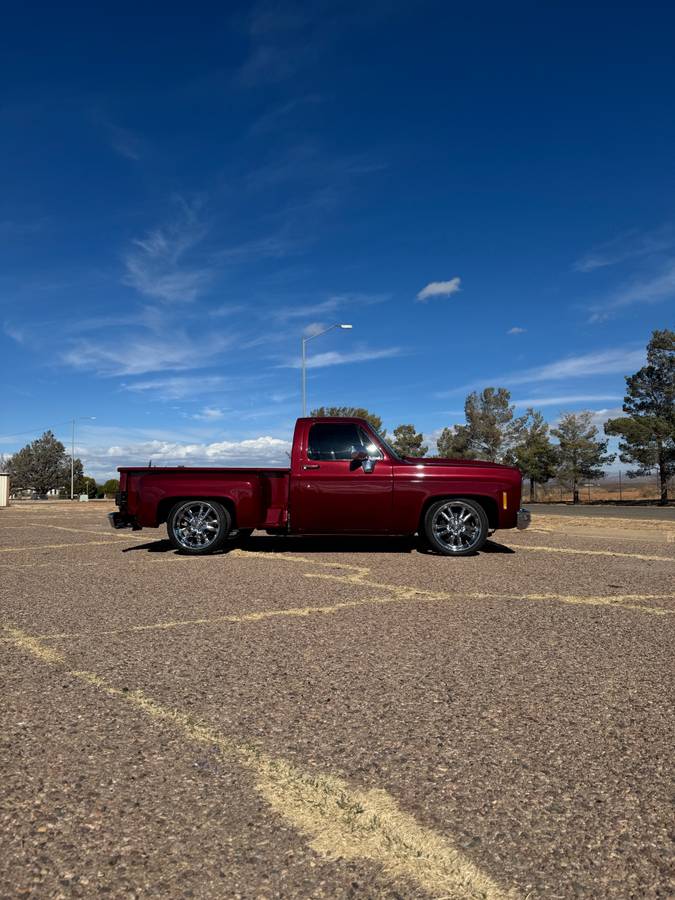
[456, 527]
[198, 527]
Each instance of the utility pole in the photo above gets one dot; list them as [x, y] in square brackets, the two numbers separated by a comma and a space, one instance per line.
[72, 455]
[304, 360]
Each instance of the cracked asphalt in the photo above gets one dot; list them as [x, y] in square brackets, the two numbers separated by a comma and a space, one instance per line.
[317, 718]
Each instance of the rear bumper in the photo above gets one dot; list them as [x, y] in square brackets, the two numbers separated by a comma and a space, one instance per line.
[119, 520]
[523, 519]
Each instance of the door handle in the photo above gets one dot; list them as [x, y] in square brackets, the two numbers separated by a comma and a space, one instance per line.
[311, 467]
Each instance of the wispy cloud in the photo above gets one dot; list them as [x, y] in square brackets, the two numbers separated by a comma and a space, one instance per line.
[323, 360]
[604, 362]
[178, 387]
[14, 228]
[516, 330]
[279, 45]
[565, 400]
[156, 268]
[146, 353]
[615, 361]
[122, 140]
[14, 332]
[274, 118]
[210, 414]
[647, 290]
[631, 245]
[439, 289]
[329, 306]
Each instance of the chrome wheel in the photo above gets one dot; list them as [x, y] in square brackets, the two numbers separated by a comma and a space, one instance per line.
[457, 526]
[196, 525]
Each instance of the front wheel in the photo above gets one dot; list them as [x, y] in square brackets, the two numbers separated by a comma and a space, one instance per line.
[456, 527]
[198, 527]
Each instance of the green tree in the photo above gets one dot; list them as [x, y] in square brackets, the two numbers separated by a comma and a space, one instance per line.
[41, 466]
[454, 443]
[493, 431]
[111, 486]
[534, 454]
[355, 411]
[581, 456]
[84, 484]
[408, 442]
[647, 431]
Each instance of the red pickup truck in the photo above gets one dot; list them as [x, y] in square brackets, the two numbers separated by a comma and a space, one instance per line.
[343, 479]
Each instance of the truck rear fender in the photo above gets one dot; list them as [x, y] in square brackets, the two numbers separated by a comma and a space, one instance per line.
[165, 506]
[489, 504]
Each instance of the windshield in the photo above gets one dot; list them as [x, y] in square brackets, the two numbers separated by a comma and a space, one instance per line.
[387, 446]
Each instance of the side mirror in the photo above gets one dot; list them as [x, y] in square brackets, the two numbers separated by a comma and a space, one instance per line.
[361, 456]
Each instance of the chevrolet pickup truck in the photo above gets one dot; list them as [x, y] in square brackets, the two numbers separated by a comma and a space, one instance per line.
[343, 479]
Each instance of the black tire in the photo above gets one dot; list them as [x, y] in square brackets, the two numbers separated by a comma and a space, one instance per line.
[467, 526]
[198, 527]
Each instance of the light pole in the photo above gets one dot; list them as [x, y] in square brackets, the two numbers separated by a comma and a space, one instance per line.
[304, 360]
[72, 455]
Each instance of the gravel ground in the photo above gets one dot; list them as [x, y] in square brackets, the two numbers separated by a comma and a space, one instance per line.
[335, 717]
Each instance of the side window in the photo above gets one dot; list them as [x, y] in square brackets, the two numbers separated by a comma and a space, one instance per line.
[329, 440]
[374, 451]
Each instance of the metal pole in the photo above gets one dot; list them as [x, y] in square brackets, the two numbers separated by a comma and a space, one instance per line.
[304, 378]
[72, 466]
[620, 493]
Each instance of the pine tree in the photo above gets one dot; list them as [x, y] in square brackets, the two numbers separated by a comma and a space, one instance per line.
[647, 431]
[356, 411]
[454, 443]
[493, 431]
[581, 456]
[407, 442]
[534, 454]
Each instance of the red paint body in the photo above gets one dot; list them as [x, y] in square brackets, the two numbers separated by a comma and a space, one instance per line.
[326, 497]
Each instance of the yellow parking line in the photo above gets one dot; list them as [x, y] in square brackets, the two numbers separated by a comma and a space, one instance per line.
[58, 546]
[337, 820]
[108, 533]
[594, 552]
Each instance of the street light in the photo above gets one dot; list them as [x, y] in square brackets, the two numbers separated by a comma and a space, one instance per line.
[304, 360]
[72, 455]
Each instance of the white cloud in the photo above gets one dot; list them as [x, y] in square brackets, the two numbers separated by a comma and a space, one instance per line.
[516, 330]
[209, 414]
[178, 387]
[102, 461]
[650, 290]
[630, 245]
[439, 289]
[605, 362]
[566, 399]
[16, 334]
[155, 266]
[323, 360]
[153, 353]
[615, 361]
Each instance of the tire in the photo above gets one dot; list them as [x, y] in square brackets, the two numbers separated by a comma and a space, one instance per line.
[456, 526]
[198, 527]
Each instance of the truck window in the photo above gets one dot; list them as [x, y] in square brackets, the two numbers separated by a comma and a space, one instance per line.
[333, 440]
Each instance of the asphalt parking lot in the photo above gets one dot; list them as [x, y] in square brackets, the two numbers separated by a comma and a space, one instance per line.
[335, 718]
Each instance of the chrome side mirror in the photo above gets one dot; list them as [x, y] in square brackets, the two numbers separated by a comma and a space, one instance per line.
[361, 456]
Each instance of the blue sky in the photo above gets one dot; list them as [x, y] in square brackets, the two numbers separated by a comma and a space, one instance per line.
[484, 191]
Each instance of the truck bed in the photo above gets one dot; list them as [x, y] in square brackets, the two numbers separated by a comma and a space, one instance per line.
[259, 496]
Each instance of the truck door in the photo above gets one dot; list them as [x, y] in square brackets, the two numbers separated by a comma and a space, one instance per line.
[331, 492]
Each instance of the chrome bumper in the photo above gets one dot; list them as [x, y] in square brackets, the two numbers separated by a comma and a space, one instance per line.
[523, 519]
